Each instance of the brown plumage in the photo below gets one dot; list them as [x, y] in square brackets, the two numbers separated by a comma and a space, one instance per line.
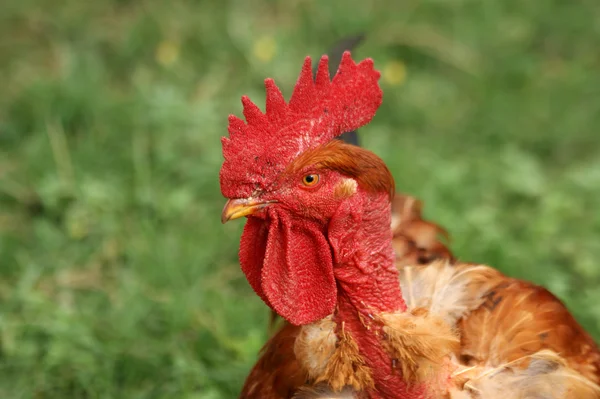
[363, 166]
[518, 318]
[277, 374]
[516, 338]
[416, 241]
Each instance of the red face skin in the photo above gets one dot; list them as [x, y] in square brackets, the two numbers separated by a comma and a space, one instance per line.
[313, 252]
[284, 249]
[315, 200]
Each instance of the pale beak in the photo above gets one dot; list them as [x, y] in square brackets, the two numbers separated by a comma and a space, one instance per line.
[236, 208]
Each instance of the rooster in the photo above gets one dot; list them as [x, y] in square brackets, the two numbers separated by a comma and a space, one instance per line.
[373, 311]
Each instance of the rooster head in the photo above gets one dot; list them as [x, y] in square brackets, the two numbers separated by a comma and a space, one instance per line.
[287, 175]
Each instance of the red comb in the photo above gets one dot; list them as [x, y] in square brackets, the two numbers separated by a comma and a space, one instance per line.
[319, 110]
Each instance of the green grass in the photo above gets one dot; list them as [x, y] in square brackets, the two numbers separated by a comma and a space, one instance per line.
[117, 279]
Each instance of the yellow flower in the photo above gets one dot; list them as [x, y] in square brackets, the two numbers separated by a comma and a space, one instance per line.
[167, 53]
[394, 72]
[264, 48]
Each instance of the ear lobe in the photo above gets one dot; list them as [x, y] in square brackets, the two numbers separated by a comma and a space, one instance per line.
[297, 275]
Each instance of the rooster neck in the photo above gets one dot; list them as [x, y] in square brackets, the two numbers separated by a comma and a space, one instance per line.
[361, 239]
[368, 285]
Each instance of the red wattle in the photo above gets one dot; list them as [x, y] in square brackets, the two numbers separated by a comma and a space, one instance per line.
[253, 246]
[289, 265]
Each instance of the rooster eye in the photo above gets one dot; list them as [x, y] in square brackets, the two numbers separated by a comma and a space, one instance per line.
[310, 180]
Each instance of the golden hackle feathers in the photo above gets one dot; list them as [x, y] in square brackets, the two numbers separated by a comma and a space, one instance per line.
[445, 289]
[419, 343]
[331, 359]
[346, 367]
[314, 346]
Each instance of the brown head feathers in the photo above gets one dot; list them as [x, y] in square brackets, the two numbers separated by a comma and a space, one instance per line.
[369, 171]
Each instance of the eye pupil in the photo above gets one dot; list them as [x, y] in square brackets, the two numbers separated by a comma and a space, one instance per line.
[310, 180]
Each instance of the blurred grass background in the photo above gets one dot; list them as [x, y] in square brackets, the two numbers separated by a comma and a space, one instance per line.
[117, 279]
